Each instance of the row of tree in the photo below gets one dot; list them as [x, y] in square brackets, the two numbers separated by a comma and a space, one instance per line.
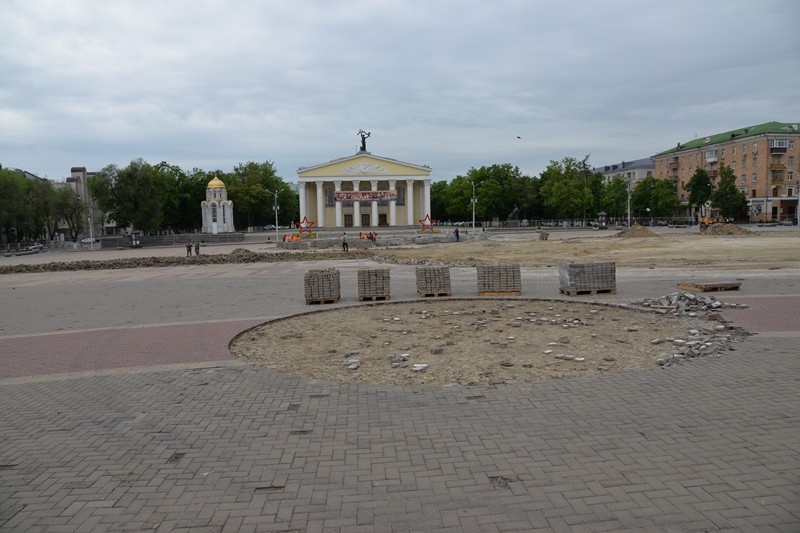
[569, 190]
[34, 209]
[164, 197]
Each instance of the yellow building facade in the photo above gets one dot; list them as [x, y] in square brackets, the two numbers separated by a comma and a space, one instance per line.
[364, 191]
[765, 159]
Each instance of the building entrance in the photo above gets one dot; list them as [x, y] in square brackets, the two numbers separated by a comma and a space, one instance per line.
[365, 220]
[348, 220]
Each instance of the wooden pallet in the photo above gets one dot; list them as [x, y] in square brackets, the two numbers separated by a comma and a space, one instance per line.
[499, 293]
[706, 286]
[434, 294]
[374, 298]
[574, 292]
[316, 301]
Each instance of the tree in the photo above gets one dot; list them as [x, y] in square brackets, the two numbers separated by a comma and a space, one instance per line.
[132, 196]
[657, 195]
[70, 208]
[615, 197]
[699, 187]
[12, 208]
[252, 187]
[185, 193]
[439, 193]
[565, 189]
[731, 202]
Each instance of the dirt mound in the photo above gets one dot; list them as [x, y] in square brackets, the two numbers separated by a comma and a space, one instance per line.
[726, 229]
[636, 231]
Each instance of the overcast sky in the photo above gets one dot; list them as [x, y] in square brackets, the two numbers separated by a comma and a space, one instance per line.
[448, 84]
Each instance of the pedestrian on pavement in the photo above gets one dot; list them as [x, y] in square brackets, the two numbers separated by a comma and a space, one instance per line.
[344, 242]
[196, 247]
[189, 249]
[456, 234]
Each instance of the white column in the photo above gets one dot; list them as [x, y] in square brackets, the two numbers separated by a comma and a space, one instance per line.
[337, 187]
[374, 214]
[393, 204]
[426, 196]
[356, 207]
[320, 204]
[301, 188]
[410, 203]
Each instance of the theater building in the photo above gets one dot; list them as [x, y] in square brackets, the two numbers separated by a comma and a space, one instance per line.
[364, 191]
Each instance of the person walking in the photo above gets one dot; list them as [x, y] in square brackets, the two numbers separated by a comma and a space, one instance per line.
[344, 242]
[189, 249]
[196, 247]
[456, 234]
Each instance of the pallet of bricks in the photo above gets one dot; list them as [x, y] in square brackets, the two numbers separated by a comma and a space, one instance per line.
[499, 280]
[587, 278]
[322, 286]
[433, 281]
[373, 284]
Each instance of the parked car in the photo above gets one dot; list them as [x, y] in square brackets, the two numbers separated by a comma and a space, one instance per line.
[34, 246]
[88, 240]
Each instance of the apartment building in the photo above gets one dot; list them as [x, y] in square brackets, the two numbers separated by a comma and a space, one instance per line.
[631, 171]
[765, 158]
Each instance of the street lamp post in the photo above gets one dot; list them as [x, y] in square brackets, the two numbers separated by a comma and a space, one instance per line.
[629, 201]
[474, 201]
[91, 227]
[275, 207]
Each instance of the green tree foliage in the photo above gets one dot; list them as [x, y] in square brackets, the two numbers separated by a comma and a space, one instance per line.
[13, 211]
[439, 193]
[615, 197]
[69, 207]
[185, 191]
[657, 195]
[699, 187]
[252, 187]
[566, 189]
[731, 202]
[132, 196]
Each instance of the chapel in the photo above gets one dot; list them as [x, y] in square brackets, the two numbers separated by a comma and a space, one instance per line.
[217, 209]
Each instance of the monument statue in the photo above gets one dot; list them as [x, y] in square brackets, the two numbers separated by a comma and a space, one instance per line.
[514, 215]
[364, 135]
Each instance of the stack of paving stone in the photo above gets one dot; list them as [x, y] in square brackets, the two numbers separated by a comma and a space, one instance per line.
[687, 303]
[587, 278]
[497, 280]
[373, 284]
[322, 286]
[433, 281]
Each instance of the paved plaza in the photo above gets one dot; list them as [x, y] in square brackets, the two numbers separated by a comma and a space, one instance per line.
[122, 410]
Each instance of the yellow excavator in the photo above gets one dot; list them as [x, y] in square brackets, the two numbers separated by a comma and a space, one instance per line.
[712, 216]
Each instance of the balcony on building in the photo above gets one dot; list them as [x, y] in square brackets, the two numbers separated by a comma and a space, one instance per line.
[672, 162]
[777, 149]
[711, 157]
[777, 166]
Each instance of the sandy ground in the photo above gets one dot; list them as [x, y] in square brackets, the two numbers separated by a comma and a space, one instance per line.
[492, 341]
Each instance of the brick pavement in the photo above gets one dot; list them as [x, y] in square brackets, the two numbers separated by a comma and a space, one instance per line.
[221, 446]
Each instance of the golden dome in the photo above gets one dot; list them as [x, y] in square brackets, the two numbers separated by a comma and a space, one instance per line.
[216, 183]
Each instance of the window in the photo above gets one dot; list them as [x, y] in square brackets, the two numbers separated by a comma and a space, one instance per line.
[744, 190]
[789, 191]
[401, 196]
[790, 176]
[214, 213]
[791, 145]
[744, 150]
[744, 179]
[329, 201]
[791, 160]
[722, 153]
[733, 165]
[779, 143]
[753, 193]
[649, 173]
[755, 177]
[755, 162]
[733, 151]
[755, 148]
[223, 214]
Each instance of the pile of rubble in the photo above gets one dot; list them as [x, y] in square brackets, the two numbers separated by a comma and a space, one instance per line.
[686, 304]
